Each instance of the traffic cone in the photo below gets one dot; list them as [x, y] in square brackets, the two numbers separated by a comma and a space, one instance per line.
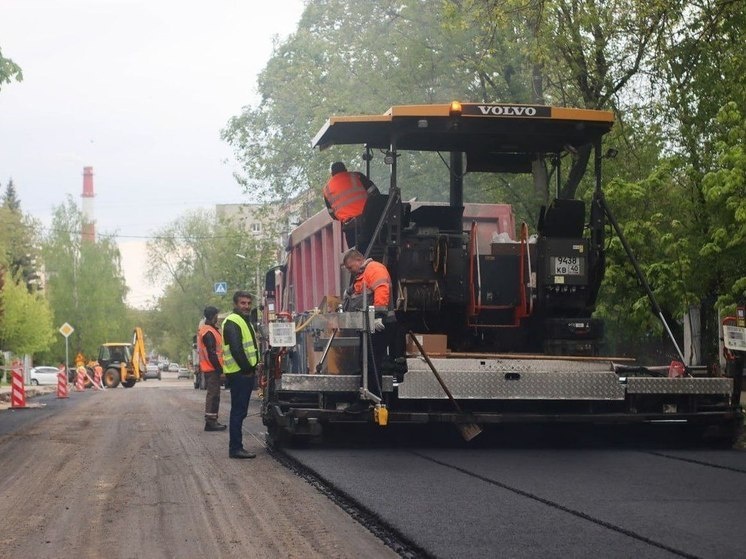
[62, 383]
[17, 389]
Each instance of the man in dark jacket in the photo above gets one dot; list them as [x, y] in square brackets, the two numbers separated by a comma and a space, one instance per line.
[240, 358]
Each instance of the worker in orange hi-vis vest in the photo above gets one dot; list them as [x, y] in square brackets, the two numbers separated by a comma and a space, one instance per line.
[210, 350]
[345, 196]
[371, 282]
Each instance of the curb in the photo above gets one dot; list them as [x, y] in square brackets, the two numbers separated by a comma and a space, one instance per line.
[31, 391]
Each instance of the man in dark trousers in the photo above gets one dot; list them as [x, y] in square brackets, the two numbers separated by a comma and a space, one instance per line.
[210, 350]
[240, 358]
[372, 278]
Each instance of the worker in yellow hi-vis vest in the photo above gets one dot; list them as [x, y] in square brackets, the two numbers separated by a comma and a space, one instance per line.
[240, 358]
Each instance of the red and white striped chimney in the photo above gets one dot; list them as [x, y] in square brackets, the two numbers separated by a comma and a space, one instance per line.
[88, 232]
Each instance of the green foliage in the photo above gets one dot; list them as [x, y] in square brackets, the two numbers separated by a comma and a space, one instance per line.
[724, 191]
[189, 256]
[19, 242]
[25, 319]
[425, 51]
[85, 285]
[662, 246]
[9, 71]
[26, 323]
[400, 53]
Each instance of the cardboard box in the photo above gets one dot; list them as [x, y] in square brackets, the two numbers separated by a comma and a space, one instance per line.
[330, 303]
[431, 343]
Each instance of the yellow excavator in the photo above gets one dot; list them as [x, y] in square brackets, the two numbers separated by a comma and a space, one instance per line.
[123, 362]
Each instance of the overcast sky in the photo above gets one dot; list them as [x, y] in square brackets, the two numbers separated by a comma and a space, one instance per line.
[137, 89]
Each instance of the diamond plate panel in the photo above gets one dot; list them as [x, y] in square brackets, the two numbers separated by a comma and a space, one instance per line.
[326, 383]
[344, 320]
[511, 384]
[638, 385]
[511, 365]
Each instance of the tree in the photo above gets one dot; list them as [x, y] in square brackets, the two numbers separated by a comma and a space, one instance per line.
[578, 53]
[189, 256]
[18, 270]
[10, 198]
[9, 70]
[724, 191]
[26, 322]
[697, 252]
[85, 284]
[705, 73]
[20, 242]
[397, 54]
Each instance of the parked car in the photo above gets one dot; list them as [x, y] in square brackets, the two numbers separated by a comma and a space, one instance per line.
[43, 375]
[183, 373]
[173, 367]
[152, 371]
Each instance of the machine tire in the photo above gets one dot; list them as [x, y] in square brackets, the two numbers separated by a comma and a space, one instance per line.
[34, 382]
[129, 383]
[722, 436]
[278, 437]
[111, 378]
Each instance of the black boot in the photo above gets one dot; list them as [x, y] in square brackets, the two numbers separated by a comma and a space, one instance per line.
[213, 425]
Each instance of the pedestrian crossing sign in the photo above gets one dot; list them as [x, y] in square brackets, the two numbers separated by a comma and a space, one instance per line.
[221, 287]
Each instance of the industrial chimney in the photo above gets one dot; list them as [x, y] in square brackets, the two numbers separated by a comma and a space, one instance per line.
[88, 232]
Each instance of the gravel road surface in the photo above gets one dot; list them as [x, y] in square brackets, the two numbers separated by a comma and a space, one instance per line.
[130, 473]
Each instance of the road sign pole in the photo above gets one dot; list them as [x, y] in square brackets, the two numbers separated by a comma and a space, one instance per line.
[66, 330]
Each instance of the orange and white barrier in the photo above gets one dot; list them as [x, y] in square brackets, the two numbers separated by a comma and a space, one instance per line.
[96, 380]
[62, 383]
[17, 389]
[80, 379]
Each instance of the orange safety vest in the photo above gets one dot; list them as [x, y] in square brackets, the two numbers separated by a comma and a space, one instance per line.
[377, 282]
[205, 366]
[346, 195]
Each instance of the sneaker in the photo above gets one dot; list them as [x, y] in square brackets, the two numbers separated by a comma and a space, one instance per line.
[241, 453]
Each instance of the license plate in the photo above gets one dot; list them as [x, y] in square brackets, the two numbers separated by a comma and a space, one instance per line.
[567, 266]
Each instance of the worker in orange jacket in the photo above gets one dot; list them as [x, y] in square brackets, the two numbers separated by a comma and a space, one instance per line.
[345, 196]
[371, 280]
[210, 350]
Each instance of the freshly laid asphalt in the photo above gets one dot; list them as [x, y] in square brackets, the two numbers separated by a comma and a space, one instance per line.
[547, 502]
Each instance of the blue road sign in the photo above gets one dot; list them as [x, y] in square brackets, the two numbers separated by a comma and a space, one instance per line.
[221, 287]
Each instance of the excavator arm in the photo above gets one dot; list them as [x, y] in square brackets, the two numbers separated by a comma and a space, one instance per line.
[139, 357]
